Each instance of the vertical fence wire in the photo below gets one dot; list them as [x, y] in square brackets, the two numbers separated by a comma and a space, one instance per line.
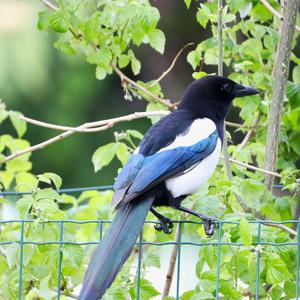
[100, 229]
[218, 259]
[298, 260]
[21, 260]
[61, 227]
[138, 282]
[219, 243]
[178, 261]
[257, 274]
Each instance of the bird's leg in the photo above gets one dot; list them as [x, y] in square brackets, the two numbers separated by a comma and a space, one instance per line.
[165, 223]
[208, 222]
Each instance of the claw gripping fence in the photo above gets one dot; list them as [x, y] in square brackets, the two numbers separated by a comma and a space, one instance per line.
[180, 243]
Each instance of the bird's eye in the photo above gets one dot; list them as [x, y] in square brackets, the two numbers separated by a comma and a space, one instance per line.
[227, 87]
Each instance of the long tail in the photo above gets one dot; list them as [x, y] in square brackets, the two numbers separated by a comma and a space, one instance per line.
[114, 249]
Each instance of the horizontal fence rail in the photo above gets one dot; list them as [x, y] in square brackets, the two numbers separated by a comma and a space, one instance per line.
[217, 241]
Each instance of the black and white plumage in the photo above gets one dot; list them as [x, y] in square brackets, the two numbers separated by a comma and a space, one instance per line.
[177, 155]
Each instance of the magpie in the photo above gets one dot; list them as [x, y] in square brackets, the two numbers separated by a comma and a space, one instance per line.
[176, 156]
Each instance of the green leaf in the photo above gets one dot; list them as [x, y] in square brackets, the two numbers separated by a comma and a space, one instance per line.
[100, 73]
[135, 63]
[245, 9]
[103, 156]
[45, 292]
[246, 232]
[198, 75]
[123, 60]
[135, 66]
[74, 253]
[50, 177]
[58, 22]
[290, 289]
[19, 125]
[187, 295]
[296, 75]
[276, 269]
[152, 258]
[187, 3]
[227, 289]
[157, 40]
[122, 153]
[65, 47]
[154, 107]
[194, 58]
[11, 253]
[24, 205]
[136, 134]
[251, 192]
[276, 292]
[43, 20]
[149, 17]
[147, 291]
[46, 206]
[202, 16]
[91, 27]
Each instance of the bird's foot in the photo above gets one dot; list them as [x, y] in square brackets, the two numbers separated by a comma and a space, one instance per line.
[165, 225]
[209, 226]
[208, 221]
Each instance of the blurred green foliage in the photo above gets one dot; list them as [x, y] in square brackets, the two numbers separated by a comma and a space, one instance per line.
[107, 33]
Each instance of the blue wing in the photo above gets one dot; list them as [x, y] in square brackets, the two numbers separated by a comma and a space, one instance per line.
[141, 173]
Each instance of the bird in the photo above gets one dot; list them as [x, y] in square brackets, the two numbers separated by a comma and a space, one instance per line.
[177, 155]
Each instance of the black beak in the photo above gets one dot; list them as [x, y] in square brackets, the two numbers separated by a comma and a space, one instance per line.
[244, 90]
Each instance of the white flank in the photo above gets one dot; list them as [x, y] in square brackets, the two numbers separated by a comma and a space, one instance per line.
[199, 130]
[189, 182]
[192, 179]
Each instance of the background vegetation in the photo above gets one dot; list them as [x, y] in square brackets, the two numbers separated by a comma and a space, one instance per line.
[104, 40]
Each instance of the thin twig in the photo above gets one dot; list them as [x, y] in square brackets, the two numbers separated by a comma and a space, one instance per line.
[125, 78]
[171, 268]
[97, 125]
[50, 5]
[109, 123]
[173, 257]
[163, 75]
[249, 133]
[274, 12]
[122, 76]
[283, 227]
[253, 168]
[237, 125]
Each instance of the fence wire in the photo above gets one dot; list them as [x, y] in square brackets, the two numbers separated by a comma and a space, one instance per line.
[218, 243]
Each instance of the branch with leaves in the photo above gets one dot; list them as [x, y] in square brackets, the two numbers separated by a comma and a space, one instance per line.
[86, 127]
[275, 13]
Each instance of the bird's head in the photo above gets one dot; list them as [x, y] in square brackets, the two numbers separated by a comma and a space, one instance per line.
[212, 95]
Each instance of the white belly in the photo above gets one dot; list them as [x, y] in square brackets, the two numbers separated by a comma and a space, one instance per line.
[189, 182]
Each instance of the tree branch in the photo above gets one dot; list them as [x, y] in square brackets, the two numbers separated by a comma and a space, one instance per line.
[125, 78]
[275, 13]
[97, 125]
[249, 133]
[50, 5]
[280, 78]
[165, 73]
[171, 268]
[254, 168]
[105, 124]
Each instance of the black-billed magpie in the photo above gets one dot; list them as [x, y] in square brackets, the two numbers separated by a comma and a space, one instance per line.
[176, 156]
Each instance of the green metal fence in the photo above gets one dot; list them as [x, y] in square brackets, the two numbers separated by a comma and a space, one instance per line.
[219, 243]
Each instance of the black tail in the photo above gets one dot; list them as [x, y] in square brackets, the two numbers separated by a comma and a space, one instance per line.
[114, 249]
